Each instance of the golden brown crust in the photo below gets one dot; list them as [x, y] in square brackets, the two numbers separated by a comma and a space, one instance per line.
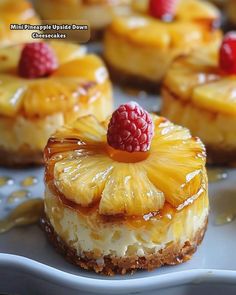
[171, 255]
[131, 80]
[20, 158]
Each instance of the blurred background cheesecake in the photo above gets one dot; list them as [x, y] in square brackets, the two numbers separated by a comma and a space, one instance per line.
[16, 12]
[99, 13]
[199, 92]
[139, 48]
[43, 86]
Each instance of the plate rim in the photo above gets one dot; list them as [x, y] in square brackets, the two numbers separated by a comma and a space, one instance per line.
[77, 282]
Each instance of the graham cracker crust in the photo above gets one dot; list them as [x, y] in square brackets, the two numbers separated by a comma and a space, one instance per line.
[20, 158]
[171, 255]
[126, 79]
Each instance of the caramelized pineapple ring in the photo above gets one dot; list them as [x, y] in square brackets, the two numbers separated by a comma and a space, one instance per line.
[80, 80]
[186, 9]
[79, 163]
[197, 79]
[10, 13]
[192, 23]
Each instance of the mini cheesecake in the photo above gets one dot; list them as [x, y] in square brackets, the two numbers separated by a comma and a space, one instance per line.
[32, 109]
[199, 94]
[113, 211]
[139, 48]
[99, 13]
[12, 13]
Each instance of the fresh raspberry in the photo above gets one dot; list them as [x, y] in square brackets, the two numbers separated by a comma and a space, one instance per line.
[227, 58]
[130, 129]
[37, 60]
[162, 9]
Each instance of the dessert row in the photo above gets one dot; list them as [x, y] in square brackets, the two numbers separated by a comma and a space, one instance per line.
[99, 13]
[172, 46]
[125, 190]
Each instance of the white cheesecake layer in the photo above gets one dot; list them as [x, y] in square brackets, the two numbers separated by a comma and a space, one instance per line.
[20, 131]
[87, 233]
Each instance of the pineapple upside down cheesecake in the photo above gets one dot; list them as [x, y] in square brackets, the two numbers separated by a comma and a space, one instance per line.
[16, 12]
[43, 86]
[139, 48]
[99, 13]
[127, 194]
[199, 92]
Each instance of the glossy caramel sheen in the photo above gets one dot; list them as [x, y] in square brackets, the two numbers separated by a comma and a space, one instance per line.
[83, 173]
[126, 157]
[197, 79]
[26, 213]
[193, 24]
[74, 92]
[12, 13]
[167, 211]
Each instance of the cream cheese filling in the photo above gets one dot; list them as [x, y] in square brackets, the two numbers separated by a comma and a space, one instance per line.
[20, 131]
[85, 234]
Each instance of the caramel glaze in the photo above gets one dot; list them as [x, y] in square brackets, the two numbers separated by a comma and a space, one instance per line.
[57, 148]
[211, 24]
[82, 91]
[207, 25]
[54, 149]
[136, 221]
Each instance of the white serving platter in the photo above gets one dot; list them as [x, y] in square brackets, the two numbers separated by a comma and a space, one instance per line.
[29, 265]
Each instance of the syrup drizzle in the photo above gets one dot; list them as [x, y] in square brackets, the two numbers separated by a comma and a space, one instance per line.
[26, 213]
[29, 181]
[225, 218]
[225, 208]
[17, 196]
[216, 174]
[5, 180]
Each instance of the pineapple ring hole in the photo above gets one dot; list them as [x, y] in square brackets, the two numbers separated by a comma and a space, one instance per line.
[126, 157]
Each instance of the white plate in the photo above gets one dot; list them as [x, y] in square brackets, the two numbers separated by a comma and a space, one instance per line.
[36, 268]
[26, 254]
